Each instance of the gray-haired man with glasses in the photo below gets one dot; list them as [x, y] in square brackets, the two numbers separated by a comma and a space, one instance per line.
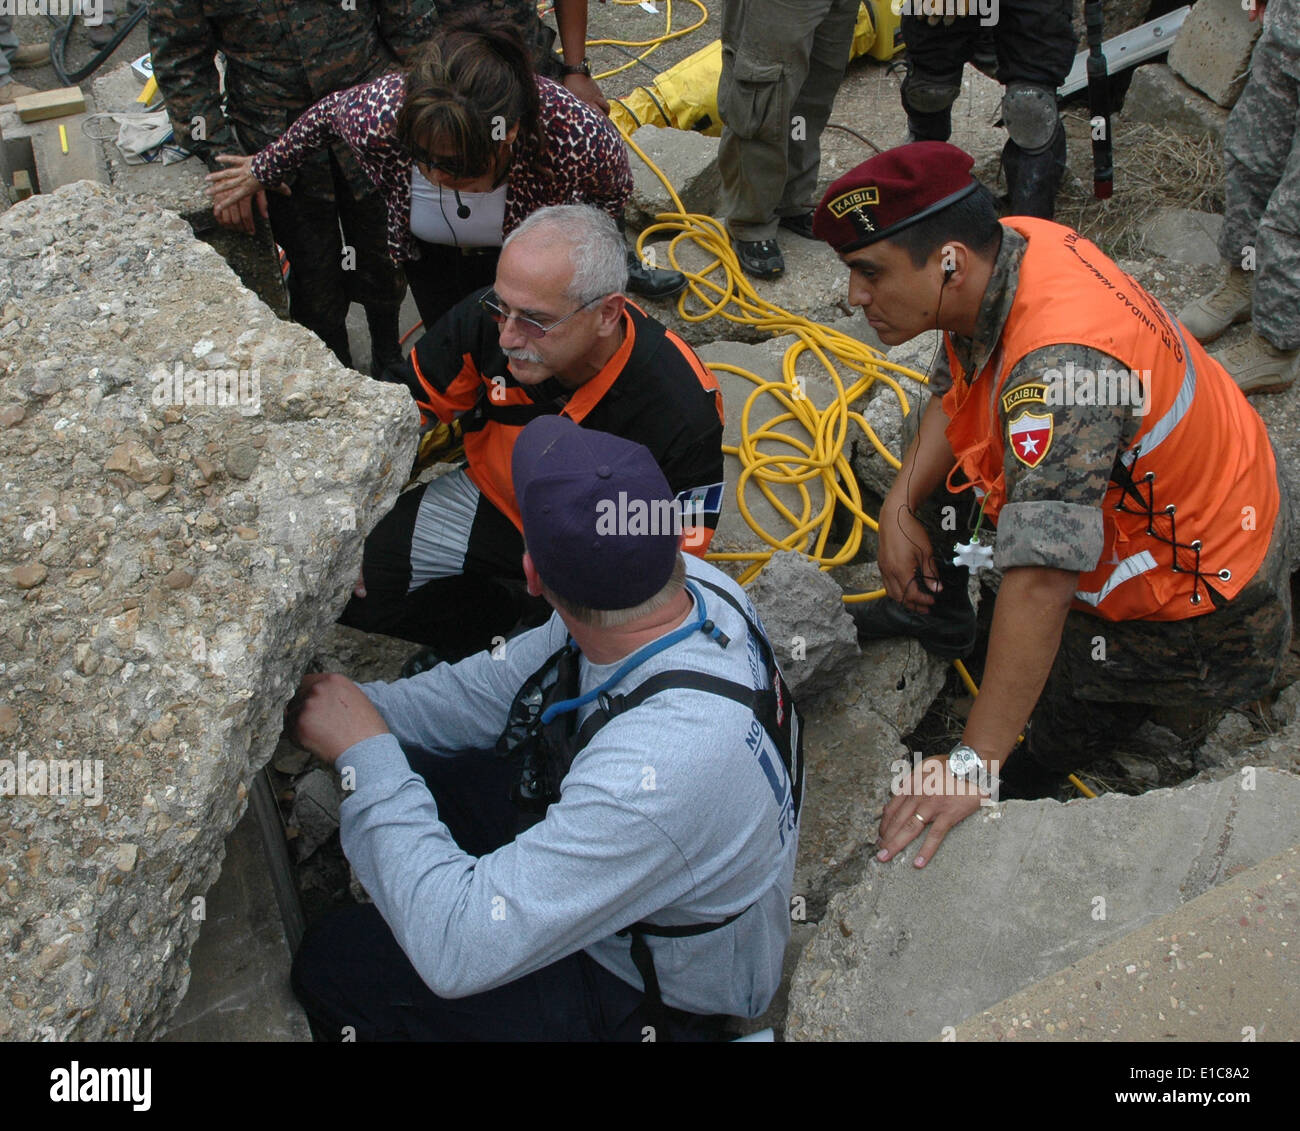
[554, 335]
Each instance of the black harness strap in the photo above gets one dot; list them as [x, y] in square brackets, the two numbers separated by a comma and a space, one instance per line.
[774, 710]
[644, 962]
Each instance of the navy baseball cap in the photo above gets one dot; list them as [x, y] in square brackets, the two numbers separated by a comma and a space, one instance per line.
[600, 521]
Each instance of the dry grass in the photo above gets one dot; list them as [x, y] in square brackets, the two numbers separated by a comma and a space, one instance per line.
[1155, 168]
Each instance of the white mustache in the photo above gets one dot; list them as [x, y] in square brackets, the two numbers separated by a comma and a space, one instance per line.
[523, 355]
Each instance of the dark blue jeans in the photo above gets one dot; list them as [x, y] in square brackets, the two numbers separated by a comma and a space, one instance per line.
[356, 983]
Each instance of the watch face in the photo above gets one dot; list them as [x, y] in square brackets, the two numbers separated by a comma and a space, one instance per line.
[964, 762]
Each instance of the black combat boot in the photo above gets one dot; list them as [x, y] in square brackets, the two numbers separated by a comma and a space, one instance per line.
[947, 631]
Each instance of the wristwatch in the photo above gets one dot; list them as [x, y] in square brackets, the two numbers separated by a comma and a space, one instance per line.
[583, 68]
[965, 763]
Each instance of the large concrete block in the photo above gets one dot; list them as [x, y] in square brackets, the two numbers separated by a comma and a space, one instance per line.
[1158, 96]
[690, 162]
[192, 482]
[1212, 52]
[1019, 891]
[1220, 968]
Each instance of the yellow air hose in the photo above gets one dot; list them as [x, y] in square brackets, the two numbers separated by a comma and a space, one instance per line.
[768, 456]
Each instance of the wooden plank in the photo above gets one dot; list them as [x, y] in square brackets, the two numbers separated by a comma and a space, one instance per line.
[50, 104]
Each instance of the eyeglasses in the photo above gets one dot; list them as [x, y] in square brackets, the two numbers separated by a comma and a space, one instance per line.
[530, 327]
[449, 166]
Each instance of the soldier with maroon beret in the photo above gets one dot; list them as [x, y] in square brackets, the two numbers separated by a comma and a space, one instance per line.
[1141, 522]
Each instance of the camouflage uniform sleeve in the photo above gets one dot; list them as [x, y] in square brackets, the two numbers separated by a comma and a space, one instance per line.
[406, 25]
[184, 49]
[1058, 458]
[940, 375]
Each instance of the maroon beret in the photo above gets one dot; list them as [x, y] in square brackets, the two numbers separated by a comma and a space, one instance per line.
[896, 188]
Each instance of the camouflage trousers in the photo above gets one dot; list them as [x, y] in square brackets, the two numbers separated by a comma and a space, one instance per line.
[1109, 676]
[1262, 169]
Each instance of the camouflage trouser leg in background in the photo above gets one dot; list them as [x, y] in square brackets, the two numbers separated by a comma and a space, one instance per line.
[1262, 167]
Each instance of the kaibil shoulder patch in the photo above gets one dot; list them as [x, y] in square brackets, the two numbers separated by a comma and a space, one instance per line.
[1034, 391]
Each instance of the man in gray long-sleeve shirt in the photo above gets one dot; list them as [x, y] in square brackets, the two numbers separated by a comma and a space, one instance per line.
[676, 818]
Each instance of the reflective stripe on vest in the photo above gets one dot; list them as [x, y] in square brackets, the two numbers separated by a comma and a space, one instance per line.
[1159, 431]
[1128, 569]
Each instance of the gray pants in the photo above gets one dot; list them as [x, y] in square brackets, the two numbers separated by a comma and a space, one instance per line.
[782, 62]
[1262, 166]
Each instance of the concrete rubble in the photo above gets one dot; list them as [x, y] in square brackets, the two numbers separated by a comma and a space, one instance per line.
[1212, 51]
[803, 611]
[1158, 96]
[690, 162]
[1186, 236]
[315, 817]
[1017, 892]
[191, 480]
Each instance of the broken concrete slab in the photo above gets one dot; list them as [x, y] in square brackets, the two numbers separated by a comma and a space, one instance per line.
[1212, 51]
[803, 611]
[1158, 96]
[1034, 886]
[690, 162]
[1185, 235]
[853, 750]
[197, 481]
[1219, 968]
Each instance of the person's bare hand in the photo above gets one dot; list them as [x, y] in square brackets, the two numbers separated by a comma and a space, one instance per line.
[930, 799]
[229, 186]
[1256, 10]
[905, 548]
[329, 714]
[239, 217]
[585, 87]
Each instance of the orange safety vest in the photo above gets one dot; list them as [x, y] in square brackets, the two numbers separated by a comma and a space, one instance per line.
[1193, 500]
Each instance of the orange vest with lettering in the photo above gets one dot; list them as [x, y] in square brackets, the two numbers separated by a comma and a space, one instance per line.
[1193, 500]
